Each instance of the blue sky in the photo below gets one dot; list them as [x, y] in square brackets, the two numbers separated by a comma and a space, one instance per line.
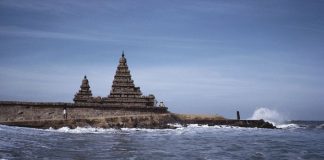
[208, 57]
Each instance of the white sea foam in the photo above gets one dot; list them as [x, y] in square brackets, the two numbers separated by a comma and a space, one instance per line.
[198, 126]
[82, 130]
[179, 127]
[143, 129]
[215, 126]
[288, 126]
[321, 126]
[100, 130]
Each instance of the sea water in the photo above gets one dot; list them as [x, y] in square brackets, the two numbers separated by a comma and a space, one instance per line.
[296, 140]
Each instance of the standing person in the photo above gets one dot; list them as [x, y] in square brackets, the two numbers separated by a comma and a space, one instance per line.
[64, 113]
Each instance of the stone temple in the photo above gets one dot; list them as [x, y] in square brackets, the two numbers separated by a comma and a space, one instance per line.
[123, 107]
[123, 91]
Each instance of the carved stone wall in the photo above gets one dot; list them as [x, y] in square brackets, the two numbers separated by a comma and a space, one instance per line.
[22, 111]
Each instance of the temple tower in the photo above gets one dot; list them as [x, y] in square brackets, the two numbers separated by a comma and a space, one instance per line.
[124, 92]
[123, 85]
[84, 95]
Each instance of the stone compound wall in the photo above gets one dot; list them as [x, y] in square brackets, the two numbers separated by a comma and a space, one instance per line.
[31, 111]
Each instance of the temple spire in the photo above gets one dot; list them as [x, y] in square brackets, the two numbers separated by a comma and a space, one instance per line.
[122, 60]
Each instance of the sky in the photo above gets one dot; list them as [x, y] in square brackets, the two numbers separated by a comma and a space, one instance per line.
[197, 56]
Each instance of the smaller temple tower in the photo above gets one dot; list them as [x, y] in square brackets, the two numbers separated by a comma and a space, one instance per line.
[84, 95]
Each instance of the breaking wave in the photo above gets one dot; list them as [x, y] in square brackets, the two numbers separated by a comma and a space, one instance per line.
[179, 128]
[321, 126]
[268, 115]
[82, 130]
[288, 126]
[274, 117]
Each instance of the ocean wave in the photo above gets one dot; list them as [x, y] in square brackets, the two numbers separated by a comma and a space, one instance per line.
[321, 126]
[199, 126]
[143, 129]
[1, 128]
[288, 126]
[215, 126]
[82, 130]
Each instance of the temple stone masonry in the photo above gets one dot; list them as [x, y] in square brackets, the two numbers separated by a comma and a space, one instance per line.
[123, 91]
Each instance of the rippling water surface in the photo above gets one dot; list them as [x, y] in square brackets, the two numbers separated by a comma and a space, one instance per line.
[300, 140]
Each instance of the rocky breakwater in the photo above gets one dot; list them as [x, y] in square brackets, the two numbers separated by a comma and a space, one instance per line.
[185, 119]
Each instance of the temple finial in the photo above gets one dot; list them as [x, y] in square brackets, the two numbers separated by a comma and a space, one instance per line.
[123, 55]
[85, 76]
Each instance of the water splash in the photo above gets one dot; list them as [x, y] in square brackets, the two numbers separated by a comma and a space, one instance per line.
[274, 117]
[268, 115]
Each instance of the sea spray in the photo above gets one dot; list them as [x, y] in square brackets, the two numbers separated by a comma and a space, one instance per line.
[268, 115]
[272, 116]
